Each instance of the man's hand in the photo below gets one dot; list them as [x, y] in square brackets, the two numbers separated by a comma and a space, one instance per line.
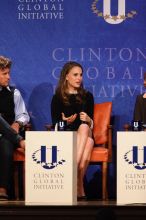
[15, 126]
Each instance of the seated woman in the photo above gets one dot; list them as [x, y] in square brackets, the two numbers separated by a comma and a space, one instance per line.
[140, 105]
[73, 104]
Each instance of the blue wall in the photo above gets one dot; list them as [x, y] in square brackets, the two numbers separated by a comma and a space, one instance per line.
[113, 55]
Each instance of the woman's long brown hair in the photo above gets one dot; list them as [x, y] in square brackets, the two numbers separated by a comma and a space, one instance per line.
[62, 90]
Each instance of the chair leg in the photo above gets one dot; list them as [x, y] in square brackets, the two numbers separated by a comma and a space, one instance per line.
[16, 181]
[23, 167]
[104, 181]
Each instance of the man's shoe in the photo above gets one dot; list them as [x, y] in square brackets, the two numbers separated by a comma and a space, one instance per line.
[3, 197]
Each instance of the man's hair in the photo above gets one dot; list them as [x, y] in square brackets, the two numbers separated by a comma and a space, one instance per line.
[5, 62]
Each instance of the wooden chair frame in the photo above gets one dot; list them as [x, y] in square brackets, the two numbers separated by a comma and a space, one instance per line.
[102, 152]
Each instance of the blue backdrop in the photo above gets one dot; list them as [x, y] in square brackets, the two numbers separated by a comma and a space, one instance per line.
[41, 35]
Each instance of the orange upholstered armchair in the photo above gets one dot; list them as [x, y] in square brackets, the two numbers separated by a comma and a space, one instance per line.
[102, 132]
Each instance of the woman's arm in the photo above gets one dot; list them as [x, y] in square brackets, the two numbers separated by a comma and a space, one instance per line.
[87, 116]
[137, 116]
[90, 105]
[55, 109]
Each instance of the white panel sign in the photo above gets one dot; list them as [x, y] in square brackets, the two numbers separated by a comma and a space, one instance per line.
[50, 167]
[131, 167]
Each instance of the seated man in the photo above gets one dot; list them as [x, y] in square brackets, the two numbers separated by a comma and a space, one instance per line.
[140, 106]
[13, 115]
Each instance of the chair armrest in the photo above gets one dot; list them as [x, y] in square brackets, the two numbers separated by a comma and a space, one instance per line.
[27, 127]
[49, 127]
[127, 127]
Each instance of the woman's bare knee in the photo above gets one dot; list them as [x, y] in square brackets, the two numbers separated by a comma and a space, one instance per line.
[84, 131]
[90, 141]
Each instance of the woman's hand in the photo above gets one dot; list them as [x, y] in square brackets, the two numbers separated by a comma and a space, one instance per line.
[69, 119]
[85, 117]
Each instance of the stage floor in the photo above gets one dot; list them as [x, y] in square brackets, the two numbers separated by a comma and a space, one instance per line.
[83, 210]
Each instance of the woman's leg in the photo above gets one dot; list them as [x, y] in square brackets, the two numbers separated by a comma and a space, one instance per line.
[84, 149]
[84, 164]
[82, 136]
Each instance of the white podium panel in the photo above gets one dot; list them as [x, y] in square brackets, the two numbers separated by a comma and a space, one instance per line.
[131, 167]
[50, 168]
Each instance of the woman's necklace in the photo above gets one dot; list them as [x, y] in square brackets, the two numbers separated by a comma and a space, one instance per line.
[73, 92]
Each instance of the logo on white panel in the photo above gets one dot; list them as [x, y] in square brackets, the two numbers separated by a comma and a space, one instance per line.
[48, 158]
[106, 12]
[136, 157]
